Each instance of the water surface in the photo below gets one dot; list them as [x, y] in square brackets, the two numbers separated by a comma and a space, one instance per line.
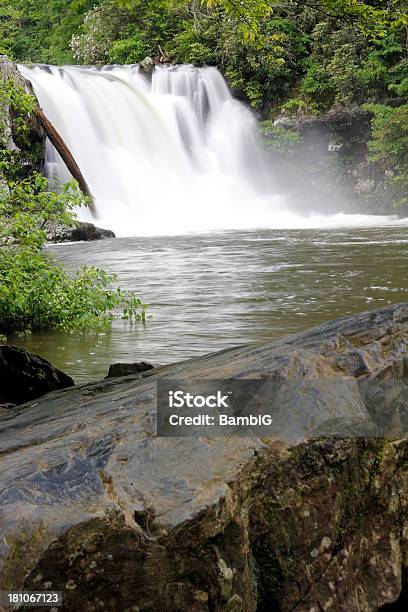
[209, 292]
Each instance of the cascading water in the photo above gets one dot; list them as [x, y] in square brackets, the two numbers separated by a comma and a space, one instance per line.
[169, 156]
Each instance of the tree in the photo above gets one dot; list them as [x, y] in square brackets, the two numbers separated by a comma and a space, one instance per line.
[372, 18]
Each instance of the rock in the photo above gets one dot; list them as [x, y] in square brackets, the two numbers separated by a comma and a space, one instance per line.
[81, 231]
[288, 123]
[364, 185]
[125, 369]
[330, 168]
[146, 66]
[94, 504]
[25, 377]
[28, 145]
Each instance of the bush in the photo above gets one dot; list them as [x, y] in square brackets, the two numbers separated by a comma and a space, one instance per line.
[35, 291]
[279, 139]
[300, 107]
[389, 146]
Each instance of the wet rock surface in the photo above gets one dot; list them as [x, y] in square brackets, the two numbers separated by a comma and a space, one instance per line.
[80, 231]
[25, 377]
[92, 503]
[126, 369]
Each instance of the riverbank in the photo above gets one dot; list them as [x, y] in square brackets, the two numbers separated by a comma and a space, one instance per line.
[98, 507]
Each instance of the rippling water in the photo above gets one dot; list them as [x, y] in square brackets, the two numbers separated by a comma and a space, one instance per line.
[210, 292]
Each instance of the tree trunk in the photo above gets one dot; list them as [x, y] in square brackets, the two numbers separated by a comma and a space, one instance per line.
[67, 156]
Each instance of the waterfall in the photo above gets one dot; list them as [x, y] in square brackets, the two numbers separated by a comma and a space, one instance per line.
[168, 155]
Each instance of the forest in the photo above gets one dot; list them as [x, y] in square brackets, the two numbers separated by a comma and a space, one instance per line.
[296, 57]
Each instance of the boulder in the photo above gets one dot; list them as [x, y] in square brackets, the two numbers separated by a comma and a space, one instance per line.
[125, 369]
[25, 377]
[80, 231]
[147, 65]
[94, 504]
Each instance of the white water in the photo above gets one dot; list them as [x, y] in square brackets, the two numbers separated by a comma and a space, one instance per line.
[172, 156]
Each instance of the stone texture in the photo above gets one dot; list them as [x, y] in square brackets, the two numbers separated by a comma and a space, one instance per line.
[125, 369]
[147, 65]
[94, 504]
[25, 377]
[80, 231]
[330, 169]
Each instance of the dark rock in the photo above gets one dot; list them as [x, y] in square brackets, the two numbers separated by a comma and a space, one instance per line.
[25, 377]
[330, 168]
[80, 231]
[94, 504]
[125, 369]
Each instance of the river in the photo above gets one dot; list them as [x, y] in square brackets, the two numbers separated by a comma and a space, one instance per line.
[213, 291]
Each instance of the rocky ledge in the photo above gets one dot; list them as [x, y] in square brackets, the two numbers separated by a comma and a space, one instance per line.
[80, 231]
[330, 167]
[92, 503]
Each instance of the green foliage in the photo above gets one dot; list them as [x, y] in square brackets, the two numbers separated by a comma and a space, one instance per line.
[29, 205]
[347, 68]
[16, 108]
[19, 102]
[389, 145]
[123, 32]
[262, 72]
[19, 105]
[370, 18]
[299, 106]
[325, 52]
[35, 291]
[280, 139]
[40, 31]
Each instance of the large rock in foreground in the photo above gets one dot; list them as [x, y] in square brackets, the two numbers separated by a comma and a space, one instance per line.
[92, 503]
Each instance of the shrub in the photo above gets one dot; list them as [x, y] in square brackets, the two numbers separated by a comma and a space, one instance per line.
[298, 106]
[35, 291]
[389, 146]
[280, 139]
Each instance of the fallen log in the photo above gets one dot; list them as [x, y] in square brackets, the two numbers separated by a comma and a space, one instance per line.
[66, 156]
